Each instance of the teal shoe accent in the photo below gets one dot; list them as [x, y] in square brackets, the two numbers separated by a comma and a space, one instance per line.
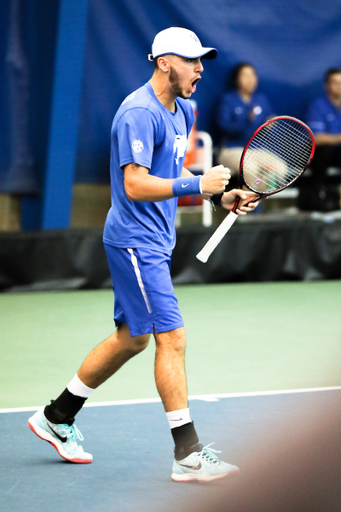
[203, 466]
[62, 436]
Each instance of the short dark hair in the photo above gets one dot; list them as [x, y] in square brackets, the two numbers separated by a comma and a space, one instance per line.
[233, 78]
[330, 72]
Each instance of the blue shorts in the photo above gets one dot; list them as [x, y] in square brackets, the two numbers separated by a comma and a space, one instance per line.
[144, 293]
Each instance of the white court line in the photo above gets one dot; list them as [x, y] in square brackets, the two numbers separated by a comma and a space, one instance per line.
[205, 398]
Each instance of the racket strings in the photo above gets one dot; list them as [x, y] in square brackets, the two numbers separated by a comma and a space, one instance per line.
[297, 159]
[264, 170]
[286, 133]
[276, 167]
[277, 154]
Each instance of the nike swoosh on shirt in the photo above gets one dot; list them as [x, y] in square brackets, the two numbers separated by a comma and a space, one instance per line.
[191, 467]
[62, 439]
[183, 185]
[177, 419]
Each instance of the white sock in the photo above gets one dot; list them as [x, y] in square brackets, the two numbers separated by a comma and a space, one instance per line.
[178, 418]
[78, 388]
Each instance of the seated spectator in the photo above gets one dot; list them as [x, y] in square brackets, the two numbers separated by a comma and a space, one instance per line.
[324, 118]
[241, 112]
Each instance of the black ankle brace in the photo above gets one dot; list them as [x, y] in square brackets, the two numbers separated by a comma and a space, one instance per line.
[186, 440]
[54, 416]
[64, 408]
[184, 451]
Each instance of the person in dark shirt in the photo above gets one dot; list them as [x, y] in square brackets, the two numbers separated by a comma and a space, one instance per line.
[242, 110]
[324, 118]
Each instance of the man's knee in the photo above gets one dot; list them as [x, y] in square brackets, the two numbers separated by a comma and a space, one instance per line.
[171, 340]
[139, 343]
[134, 344]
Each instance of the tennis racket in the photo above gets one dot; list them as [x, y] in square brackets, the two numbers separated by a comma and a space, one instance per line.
[276, 155]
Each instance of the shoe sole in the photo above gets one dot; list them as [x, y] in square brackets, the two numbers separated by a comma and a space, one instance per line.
[191, 477]
[45, 436]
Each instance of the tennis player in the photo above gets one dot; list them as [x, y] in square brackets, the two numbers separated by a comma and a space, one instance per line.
[148, 145]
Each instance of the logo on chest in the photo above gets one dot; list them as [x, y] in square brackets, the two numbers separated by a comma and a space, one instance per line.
[179, 147]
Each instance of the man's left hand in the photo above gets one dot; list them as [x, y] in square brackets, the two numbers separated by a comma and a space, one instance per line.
[247, 203]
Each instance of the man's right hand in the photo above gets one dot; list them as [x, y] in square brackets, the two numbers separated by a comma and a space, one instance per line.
[215, 180]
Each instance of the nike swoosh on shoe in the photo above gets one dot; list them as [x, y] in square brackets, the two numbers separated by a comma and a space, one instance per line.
[191, 467]
[62, 439]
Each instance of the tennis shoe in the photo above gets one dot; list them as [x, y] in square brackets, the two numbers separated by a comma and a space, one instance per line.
[62, 436]
[203, 466]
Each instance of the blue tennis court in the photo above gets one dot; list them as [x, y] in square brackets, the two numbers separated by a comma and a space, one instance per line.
[132, 452]
[237, 372]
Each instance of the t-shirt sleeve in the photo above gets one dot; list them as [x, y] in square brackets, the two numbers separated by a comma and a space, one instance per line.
[136, 133]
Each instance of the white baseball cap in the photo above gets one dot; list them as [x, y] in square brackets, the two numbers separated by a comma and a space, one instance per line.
[182, 42]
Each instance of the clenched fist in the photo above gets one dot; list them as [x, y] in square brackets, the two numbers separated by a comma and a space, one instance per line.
[215, 180]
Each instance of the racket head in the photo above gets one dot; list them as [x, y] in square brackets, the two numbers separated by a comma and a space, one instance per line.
[276, 155]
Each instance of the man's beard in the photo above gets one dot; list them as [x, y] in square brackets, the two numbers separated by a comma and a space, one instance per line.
[175, 83]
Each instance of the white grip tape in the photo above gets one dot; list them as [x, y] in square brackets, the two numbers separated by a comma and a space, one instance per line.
[217, 236]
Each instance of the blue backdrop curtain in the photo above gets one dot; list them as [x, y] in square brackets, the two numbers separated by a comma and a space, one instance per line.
[16, 158]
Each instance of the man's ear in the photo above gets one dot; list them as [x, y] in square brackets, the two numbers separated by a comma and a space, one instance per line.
[164, 64]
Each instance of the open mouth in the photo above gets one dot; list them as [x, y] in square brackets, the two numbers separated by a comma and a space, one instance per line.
[194, 84]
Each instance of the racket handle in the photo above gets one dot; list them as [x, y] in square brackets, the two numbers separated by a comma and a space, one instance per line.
[217, 236]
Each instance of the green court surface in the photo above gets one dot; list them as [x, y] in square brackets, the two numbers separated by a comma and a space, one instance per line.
[241, 338]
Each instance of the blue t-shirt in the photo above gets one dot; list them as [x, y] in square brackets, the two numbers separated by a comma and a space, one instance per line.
[146, 133]
[323, 116]
[233, 117]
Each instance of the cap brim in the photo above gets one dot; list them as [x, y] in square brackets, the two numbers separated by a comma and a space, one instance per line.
[207, 53]
[210, 53]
